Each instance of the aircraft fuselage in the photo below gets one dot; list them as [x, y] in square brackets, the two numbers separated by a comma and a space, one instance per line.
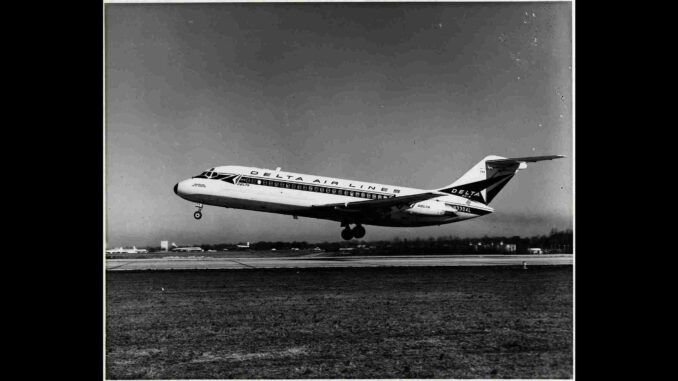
[296, 194]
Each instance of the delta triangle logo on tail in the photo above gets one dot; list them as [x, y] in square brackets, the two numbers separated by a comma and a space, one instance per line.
[475, 191]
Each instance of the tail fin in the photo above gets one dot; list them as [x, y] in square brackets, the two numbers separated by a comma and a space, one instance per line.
[482, 182]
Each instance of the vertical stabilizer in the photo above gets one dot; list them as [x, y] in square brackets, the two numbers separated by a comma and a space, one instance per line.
[482, 182]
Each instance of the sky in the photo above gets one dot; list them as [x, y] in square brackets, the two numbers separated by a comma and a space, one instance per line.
[404, 94]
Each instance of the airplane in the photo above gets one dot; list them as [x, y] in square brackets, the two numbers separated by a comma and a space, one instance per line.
[121, 250]
[243, 246]
[185, 249]
[353, 202]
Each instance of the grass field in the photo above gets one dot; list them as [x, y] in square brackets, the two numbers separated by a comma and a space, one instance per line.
[431, 322]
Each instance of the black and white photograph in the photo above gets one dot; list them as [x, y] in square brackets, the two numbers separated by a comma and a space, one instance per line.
[338, 190]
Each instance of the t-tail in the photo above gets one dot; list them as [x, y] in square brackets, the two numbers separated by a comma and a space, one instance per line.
[482, 182]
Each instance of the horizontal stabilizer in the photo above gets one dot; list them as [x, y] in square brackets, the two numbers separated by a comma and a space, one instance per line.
[499, 163]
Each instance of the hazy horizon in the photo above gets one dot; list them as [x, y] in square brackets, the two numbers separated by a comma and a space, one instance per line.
[405, 94]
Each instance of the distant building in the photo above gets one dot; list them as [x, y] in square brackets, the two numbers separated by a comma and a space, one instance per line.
[510, 248]
[164, 245]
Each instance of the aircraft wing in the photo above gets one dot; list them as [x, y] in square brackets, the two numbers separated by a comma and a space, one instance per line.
[384, 203]
[501, 163]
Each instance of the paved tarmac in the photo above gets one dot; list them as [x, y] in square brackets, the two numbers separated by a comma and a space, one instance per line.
[198, 262]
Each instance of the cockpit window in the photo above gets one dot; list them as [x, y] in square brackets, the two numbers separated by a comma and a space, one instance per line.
[201, 176]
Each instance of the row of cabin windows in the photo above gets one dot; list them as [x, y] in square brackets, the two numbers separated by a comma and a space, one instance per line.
[312, 188]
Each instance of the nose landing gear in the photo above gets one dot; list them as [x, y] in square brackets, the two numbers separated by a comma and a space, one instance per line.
[198, 214]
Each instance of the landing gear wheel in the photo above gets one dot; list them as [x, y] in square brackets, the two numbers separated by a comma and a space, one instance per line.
[197, 215]
[346, 234]
[358, 231]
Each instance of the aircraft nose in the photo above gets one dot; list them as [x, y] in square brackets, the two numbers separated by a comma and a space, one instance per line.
[176, 186]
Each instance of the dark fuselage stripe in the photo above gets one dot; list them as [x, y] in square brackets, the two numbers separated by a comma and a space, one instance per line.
[320, 185]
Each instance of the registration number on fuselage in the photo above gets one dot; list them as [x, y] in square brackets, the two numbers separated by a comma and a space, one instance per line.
[464, 209]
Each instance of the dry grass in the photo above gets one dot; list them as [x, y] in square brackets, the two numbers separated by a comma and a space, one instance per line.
[438, 322]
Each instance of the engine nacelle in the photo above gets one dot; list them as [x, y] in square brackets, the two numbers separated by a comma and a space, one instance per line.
[430, 208]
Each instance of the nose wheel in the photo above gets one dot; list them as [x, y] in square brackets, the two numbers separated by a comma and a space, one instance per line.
[198, 214]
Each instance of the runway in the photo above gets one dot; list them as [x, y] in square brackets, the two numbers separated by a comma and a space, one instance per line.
[210, 263]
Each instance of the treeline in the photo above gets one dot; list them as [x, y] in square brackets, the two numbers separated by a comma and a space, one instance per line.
[556, 241]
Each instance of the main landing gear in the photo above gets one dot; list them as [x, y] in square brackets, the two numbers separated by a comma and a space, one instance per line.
[198, 214]
[357, 232]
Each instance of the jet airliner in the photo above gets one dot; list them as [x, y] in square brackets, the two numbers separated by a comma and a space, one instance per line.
[351, 202]
[121, 250]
